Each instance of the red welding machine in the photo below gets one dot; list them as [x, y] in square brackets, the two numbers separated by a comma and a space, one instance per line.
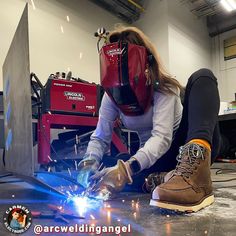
[71, 97]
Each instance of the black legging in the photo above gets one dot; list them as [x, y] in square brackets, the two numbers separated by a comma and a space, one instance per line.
[199, 121]
[199, 118]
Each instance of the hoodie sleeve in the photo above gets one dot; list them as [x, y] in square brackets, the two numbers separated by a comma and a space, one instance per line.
[167, 112]
[101, 137]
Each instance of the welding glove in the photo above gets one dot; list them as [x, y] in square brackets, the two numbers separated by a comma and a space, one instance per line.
[86, 168]
[112, 179]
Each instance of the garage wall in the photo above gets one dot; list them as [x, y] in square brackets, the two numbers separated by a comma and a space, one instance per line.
[181, 39]
[189, 43]
[224, 70]
[55, 43]
[154, 23]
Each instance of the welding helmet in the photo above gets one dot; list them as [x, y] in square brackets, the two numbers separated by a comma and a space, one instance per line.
[123, 68]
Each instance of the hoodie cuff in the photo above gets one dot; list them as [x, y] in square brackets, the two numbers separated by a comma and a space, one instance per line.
[142, 159]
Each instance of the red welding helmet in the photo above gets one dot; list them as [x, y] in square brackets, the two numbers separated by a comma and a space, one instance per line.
[122, 68]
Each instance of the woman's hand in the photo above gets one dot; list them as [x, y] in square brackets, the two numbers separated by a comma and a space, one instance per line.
[112, 179]
[86, 168]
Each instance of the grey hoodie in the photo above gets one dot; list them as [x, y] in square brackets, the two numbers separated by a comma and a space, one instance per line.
[155, 128]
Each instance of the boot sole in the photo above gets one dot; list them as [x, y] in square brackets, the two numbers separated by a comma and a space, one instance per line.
[183, 208]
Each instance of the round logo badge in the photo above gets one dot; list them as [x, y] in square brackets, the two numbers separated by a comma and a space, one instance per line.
[17, 219]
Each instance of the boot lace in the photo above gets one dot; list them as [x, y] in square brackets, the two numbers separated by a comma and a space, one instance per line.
[188, 159]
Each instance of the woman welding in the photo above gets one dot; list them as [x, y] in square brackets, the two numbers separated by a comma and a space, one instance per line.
[183, 138]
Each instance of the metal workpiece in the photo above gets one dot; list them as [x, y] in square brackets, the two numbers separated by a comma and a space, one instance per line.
[17, 103]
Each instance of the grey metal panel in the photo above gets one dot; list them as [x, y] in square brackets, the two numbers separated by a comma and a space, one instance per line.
[1, 102]
[17, 102]
[2, 143]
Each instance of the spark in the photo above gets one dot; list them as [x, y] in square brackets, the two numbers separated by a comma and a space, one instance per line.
[70, 188]
[68, 18]
[81, 204]
[62, 29]
[76, 139]
[132, 203]
[168, 228]
[119, 177]
[50, 158]
[33, 5]
[69, 194]
[75, 150]
[168, 216]
[84, 204]
[123, 200]
[49, 169]
[76, 165]
[92, 217]
[69, 171]
[64, 127]
[49, 112]
[80, 55]
[104, 195]
[13, 195]
[108, 214]
[205, 232]
[118, 220]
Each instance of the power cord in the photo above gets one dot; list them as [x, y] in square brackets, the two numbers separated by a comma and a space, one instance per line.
[221, 171]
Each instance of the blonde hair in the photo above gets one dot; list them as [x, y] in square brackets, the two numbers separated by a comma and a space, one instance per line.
[166, 83]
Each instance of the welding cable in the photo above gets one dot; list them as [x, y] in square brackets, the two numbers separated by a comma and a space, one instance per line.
[6, 175]
[220, 171]
[222, 181]
[228, 171]
[11, 181]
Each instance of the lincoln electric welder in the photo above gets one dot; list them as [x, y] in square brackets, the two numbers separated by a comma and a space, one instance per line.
[64, 96]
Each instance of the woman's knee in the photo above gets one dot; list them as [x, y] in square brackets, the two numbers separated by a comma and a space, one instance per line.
[201, 76]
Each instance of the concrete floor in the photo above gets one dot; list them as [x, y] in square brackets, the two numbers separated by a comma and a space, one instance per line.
[218, 219]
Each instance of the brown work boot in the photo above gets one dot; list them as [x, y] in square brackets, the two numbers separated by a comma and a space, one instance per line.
[155, 179]
[190, 187]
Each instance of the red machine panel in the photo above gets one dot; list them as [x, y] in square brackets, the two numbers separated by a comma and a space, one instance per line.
[62, 96]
